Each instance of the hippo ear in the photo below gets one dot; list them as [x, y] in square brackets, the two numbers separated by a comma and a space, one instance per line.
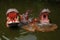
[12, 9]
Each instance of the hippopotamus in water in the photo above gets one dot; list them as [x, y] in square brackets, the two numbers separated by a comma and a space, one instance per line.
[44, 16]
[12, 17]
[45, 24]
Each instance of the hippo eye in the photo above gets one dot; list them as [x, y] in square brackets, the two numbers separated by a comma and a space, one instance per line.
[44, 16]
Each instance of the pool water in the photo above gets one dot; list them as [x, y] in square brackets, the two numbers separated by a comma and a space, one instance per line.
[22, 6]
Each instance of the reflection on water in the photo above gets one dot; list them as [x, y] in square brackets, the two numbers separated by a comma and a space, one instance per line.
[0, 39]
[27, 37]
[18, 35]
[5, 37]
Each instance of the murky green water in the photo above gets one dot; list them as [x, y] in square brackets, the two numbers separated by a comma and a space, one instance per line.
[22, 6]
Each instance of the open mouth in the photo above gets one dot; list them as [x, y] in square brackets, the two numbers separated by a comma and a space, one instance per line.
[44, 16]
